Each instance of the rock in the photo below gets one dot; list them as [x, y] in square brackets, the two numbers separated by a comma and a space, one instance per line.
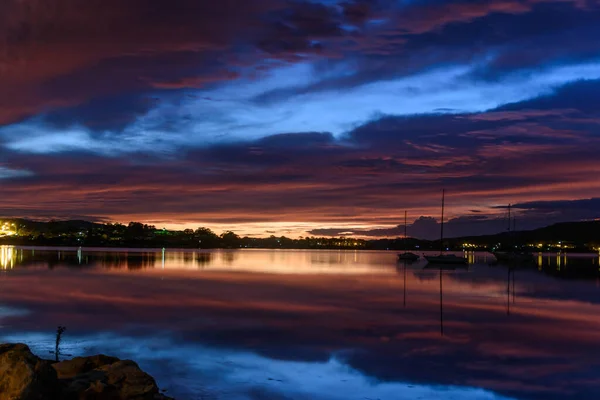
[80, 365]
[102, 377]
[23, 376]
[132, 382]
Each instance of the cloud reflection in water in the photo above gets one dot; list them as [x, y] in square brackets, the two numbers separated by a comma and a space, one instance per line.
[190, 370]
[231, 322]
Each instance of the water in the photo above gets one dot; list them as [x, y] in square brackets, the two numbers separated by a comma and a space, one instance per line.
[329, 325]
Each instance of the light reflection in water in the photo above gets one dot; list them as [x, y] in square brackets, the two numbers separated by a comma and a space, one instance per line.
[7, 257]
[470, 257]
[264, 261]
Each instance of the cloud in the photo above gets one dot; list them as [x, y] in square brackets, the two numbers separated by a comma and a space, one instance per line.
[361, 181]
[585, 204]
[350, 44]
[429, 228]
[561, 210]
[8, 173]
[324, 113]
[195, 122]
[113, 113]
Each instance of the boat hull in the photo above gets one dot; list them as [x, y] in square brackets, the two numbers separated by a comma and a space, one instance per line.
[408, 257]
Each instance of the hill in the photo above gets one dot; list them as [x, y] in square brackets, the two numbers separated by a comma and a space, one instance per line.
[578, 235]
[564, 236]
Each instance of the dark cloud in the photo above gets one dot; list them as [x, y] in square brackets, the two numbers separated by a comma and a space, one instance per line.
[61, 54]
[582, 96]
[428, 228]
[583, 204]
[515, 37]
[103, 114]
[561, 210]
[298, 29]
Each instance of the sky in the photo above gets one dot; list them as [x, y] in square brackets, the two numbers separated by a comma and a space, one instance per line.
[305, 117]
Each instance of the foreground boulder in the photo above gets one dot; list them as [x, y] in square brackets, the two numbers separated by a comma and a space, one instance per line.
[80, 365]
[23, 376]
[103, 377]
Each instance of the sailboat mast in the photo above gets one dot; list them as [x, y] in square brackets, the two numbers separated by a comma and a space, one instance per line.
[509, 219]
[441, 306]
[442, 227]
[405, 235]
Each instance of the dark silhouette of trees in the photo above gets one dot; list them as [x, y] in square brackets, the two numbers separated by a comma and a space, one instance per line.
[206, 238]
[230, 240]
[138, 231]
[579, 236]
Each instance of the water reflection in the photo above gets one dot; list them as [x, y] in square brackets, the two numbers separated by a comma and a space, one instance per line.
[7, 257]
[304, 322]
[281, 262]
[269, 261]
[510, 274]
[569, 266]
[428, 274]
[204, 259]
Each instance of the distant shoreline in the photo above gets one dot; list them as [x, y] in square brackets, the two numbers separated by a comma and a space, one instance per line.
[99, 249]
[579, 237]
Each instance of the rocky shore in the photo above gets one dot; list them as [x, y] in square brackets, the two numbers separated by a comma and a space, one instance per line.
[24, 376]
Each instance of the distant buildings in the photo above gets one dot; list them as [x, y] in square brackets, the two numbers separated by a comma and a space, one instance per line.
[7, 229]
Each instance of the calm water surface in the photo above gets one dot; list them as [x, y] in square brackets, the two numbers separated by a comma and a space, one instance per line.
[328, 325]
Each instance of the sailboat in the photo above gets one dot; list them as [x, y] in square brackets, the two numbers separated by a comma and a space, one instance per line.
[512, 256]
[407, 256]
[445, 259]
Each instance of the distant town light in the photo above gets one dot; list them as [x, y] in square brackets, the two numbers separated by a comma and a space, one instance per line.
[7, 229]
